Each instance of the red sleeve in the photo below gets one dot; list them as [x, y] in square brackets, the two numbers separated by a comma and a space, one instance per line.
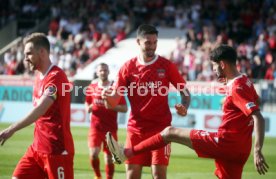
[175, 78]
[121, 78]
[122, 101]
[245, 98]
[88, 96]
[56, 85]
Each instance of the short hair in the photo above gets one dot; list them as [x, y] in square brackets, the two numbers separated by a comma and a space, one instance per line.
[39, 40]
[145, 29]
[102, 64]
[224, 53]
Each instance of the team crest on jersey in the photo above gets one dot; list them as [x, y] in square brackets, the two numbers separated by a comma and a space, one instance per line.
[51, 91]
[161, 73]
[248, 83]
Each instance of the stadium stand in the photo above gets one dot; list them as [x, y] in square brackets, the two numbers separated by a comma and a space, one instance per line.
[82, 32]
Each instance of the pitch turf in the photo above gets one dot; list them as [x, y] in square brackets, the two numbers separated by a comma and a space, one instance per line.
[184, 164]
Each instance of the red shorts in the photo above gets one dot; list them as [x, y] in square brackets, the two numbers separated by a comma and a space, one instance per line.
[229, 164]
[38, 165]
[155, 157]
[96, 138]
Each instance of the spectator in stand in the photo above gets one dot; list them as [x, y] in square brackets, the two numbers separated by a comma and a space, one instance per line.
[121, 35]
[104, 43]
[270, 72]
[252, 26]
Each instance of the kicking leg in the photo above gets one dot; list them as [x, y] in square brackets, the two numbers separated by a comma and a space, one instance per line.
[177, 135]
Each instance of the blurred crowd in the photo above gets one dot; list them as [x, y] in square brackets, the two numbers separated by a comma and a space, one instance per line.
[248, 26]
[81, 31]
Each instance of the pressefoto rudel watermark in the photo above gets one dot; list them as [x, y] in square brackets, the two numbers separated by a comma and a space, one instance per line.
[153, 89]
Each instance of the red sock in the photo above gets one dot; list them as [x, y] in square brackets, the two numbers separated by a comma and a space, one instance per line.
[109, 171]
[149, 144]
[95, 163]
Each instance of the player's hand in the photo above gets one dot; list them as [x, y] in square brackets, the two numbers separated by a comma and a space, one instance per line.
[90, 108]
[5, 134]
[260, 163]
[106, 92]
[181, 109]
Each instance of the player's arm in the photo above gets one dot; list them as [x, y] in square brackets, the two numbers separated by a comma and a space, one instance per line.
[259, 129]
[88, 107]
[121, 108]
[111, 98]
[185, 97]
[180, 84]
[118, 108]
[182, 108]
[88, 99]
[113, 94]
[43, 105]
[243, 97]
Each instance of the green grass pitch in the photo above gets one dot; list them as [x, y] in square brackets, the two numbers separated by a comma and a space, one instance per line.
[184, 163]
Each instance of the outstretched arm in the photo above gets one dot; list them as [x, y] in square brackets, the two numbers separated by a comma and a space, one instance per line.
[182, 108]
[38, 111]
[259, 128]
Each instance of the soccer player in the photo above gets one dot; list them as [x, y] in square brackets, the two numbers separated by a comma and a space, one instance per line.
[146, 79]
[230, 146]
[103, 119]
[52, 151]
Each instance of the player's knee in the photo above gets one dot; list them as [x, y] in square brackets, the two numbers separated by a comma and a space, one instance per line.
[157, 177]
[14, 178]
[167, 132]
[94, 155]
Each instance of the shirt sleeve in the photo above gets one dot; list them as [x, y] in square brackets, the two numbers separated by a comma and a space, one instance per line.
[175, 78]
[52, 87]
[245, 98]
[122, 101]
[56, 85]
[88, 96]
[120, 79]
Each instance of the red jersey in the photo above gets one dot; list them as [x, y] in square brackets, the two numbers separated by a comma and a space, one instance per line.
[237, 123]
[147, 86]
[101, 118]
[52, 130]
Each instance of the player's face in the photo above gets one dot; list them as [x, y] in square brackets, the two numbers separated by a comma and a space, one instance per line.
[218, 70]
[32, 57]
[148, 44]
[103, 72]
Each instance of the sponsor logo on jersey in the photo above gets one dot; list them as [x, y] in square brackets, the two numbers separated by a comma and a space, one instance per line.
[250, 105]
[98, 102]
[150, 84]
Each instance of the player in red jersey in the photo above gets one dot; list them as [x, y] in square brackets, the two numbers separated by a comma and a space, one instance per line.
[52, 152]
[146, 79]
[103, 119]
[230, 146]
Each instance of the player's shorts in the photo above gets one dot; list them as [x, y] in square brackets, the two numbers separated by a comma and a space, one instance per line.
[38, 165]
[229, 164]
[96, 138]
[155, 157]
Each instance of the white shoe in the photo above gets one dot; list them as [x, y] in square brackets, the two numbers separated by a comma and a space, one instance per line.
[116, 150]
